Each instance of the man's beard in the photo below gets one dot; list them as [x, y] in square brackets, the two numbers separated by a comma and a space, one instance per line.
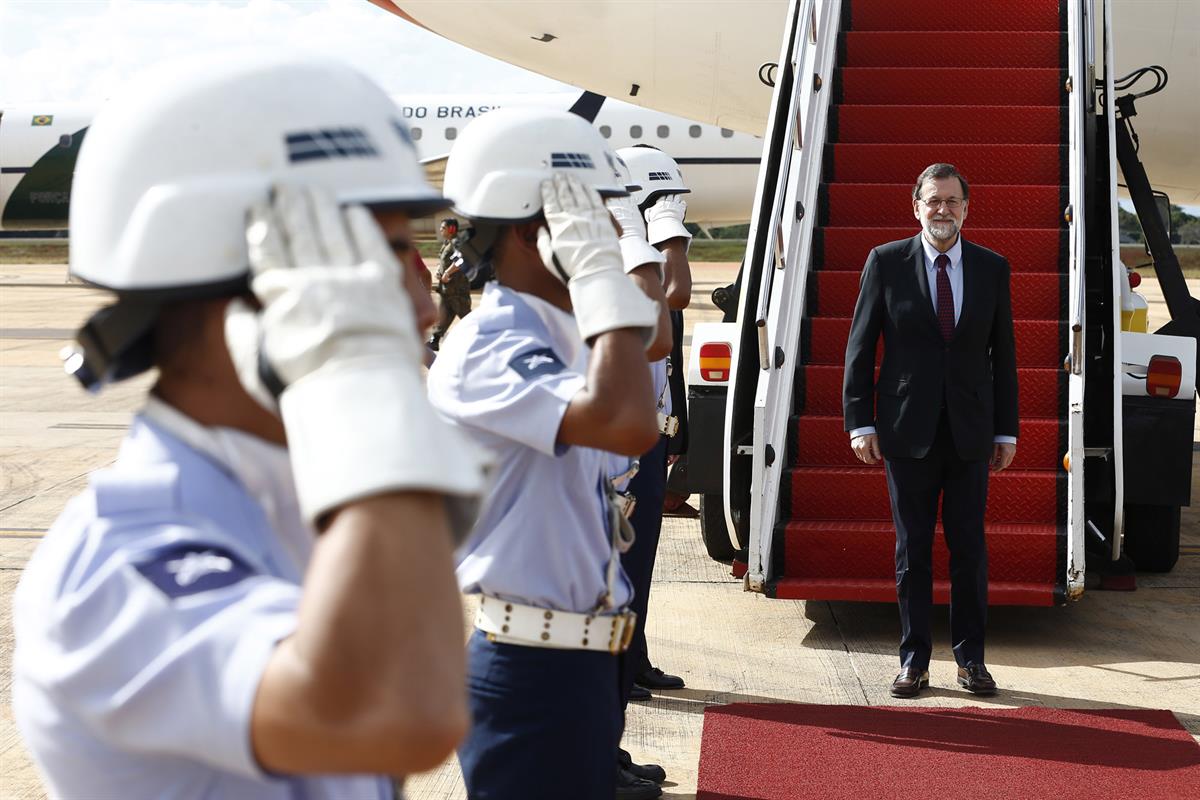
[941, 229]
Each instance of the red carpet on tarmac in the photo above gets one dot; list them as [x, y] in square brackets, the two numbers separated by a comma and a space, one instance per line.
[753, 751]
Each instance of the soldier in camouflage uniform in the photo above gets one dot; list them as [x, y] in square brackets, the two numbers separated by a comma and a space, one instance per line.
[450, 281]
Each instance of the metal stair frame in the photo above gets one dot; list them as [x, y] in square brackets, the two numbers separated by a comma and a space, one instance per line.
[1109, 120]
[781, 250]
[781, 235]
[1081, 71]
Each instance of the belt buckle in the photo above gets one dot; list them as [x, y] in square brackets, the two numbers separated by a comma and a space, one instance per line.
[626, 503]
[622, 637]
[668, 425]
[630, 627]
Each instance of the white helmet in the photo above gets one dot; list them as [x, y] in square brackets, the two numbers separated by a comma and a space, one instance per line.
[626, 178]
[496, 169]
[168, 170]
[655, 171]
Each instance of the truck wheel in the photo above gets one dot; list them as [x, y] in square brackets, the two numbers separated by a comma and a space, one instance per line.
[1152, 536]
[713, 529]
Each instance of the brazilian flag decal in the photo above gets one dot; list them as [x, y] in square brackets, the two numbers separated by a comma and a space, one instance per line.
[42, 120]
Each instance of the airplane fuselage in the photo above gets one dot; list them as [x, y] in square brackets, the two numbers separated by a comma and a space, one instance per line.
[38, 145]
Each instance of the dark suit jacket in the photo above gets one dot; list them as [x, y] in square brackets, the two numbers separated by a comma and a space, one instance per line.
[975, 372]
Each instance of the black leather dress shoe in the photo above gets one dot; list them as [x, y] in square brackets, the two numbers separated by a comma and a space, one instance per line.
[631, 787]
[640, 693]
[648, 772]
[655, 678]
[976, 679]
[910, 682]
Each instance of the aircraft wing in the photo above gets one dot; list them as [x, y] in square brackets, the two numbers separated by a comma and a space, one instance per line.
[695, 60]
[435, 170]
[701, 60]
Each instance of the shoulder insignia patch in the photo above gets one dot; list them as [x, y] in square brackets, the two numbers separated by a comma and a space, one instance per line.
[535, 363]
[189, 568]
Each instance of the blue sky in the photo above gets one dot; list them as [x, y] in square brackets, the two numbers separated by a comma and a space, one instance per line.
[83, 50]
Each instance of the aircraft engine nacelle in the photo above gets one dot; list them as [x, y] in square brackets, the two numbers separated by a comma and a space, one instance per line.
[38, 148]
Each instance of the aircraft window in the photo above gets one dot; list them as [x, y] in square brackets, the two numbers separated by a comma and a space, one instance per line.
[65, 140]
[635, 131]
[726, 133]
[605, 131]
[416, 134]
[663, 131]
[451, 133]
[694, 131]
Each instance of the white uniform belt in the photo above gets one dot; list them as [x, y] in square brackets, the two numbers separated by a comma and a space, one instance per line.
[514, 623]
[668, 424]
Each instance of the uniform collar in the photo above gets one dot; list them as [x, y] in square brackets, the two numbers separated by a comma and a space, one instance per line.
[931, 253]
[560, 325]
[261, 467]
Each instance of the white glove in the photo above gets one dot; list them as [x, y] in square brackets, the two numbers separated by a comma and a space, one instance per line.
[635, 250]
[581, 249]
[664, 219]
[337, 347]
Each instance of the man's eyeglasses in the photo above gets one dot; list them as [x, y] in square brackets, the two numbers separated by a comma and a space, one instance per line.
[952, 203]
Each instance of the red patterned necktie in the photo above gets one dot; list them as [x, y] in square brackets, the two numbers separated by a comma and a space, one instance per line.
[945, 298]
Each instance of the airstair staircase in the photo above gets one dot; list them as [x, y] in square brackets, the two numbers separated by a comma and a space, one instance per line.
[983, 85]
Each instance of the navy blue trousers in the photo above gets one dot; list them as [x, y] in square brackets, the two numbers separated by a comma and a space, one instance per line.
[915, 486]
[649, 486]
[544, 723]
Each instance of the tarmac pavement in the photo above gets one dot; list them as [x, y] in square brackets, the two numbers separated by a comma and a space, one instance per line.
[1109, 650]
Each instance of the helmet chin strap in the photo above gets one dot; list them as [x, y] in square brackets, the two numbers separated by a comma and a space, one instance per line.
[113, 344]
[116, 342]
[479, 246]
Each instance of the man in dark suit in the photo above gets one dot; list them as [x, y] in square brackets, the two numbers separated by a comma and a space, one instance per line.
[946, 412]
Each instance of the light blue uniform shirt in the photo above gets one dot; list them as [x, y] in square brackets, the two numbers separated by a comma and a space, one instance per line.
[146, 617]
[505, 375]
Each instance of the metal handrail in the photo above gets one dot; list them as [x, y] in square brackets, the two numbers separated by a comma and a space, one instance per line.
[777, 158]
[1109, 120]
[1080, 68]
[783, 245]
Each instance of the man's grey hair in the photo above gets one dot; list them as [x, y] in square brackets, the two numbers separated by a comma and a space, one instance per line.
[940, 171]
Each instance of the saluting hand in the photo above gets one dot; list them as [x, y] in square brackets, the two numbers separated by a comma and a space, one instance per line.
[1003, 454]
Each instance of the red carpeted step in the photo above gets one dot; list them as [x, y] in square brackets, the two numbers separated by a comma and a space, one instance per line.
[1027, 249]
[883, 590]
[821, 440]
[994, 108]
[1035, 295]
[865, 551]
[819, 390]
[894, 48]
[1000, 164]
[1039, 342]
[977, 15]
[884, 204]
[861, 493]
[913, 86]
[967, 124]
